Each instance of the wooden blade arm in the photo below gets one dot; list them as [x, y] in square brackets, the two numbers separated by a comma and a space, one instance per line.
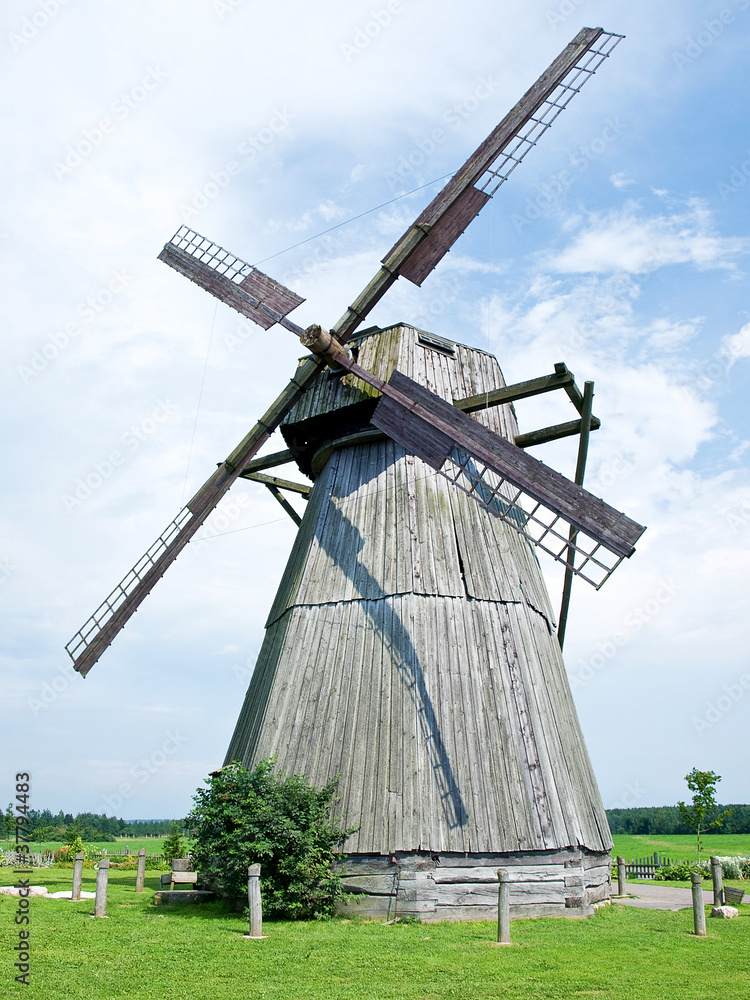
[438, 227]
[96, 635]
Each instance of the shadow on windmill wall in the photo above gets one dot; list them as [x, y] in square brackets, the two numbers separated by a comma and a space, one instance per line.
[397, 642]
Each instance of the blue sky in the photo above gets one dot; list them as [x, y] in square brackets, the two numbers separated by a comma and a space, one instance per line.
[620, 247]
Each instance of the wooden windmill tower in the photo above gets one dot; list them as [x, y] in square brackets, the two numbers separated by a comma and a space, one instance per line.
[411, 647]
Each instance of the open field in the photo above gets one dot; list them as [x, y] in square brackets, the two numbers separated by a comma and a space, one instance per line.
[199, 952]
[153, 845]
[681, 846]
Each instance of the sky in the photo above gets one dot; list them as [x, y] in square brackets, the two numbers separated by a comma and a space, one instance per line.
[619, 246]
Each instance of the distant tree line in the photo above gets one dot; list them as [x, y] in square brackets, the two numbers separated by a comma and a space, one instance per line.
[667, 820]
[44, 826]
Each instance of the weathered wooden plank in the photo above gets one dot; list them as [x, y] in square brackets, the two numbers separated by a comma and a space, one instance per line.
[479, 874]
[376, 885]
[443, 234]
[304, 489]
[553, 433]
[269, 461]
[254, 297]
[511, 393]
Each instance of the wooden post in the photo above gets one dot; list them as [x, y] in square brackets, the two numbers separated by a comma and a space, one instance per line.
[621, 876]
[141, 874]
[102, 875]
[718, 882]
[699, 914]
[77, 876]
[503, 906]
[253, 896]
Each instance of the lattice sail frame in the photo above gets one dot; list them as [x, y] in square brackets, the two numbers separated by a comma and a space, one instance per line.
[231, 279]
[500, 170]
[113, 601]
[211, 254]
[544, 528]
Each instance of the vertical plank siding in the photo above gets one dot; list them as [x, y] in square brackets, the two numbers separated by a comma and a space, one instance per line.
[411, 649]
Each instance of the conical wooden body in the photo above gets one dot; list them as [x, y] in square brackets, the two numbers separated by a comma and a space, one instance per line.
[411, 646]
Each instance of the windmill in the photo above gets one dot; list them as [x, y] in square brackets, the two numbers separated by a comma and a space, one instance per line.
[411, 647]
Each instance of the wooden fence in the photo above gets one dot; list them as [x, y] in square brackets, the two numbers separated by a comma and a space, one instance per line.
[646, 867]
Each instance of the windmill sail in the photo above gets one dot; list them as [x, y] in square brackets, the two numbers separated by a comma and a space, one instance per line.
[530, 497]
[239, 284]
[472, 186]
[90, 641]
[430, 237]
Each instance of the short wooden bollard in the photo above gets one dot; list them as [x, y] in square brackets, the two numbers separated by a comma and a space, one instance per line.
[718, 881]
[254, 901]
[699, 914]
[503, 906]
[77, 876]
[141, 873]
[100, 903]
[621, 876]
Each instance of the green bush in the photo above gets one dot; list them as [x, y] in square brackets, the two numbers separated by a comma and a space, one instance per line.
[278, 821]
[174, 846]
[680, 872]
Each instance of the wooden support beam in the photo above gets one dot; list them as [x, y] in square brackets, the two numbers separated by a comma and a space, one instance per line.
[583, 450]
[284, 503]
[552, 433]
[269, 461]
[520, 390]
[281, 484]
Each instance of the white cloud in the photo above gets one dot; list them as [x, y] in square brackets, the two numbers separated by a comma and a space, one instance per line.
[736, 345]
[628, 239]
[621, 181]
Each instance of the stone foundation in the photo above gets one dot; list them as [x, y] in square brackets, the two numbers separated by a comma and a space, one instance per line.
[432, 887]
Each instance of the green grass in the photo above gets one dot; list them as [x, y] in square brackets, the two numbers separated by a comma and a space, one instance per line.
[681, 846]
[153, 845]
[197, 953]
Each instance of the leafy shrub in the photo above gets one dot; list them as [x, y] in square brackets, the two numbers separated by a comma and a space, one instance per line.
[735, 867]
[174, 845]
[680, 872]
[279, 821]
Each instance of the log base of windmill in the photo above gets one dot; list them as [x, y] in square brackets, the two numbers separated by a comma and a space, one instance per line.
[464, 886]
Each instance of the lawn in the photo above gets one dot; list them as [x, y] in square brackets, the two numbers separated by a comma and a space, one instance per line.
[681, 847]
[153, 845]
[197, 953]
